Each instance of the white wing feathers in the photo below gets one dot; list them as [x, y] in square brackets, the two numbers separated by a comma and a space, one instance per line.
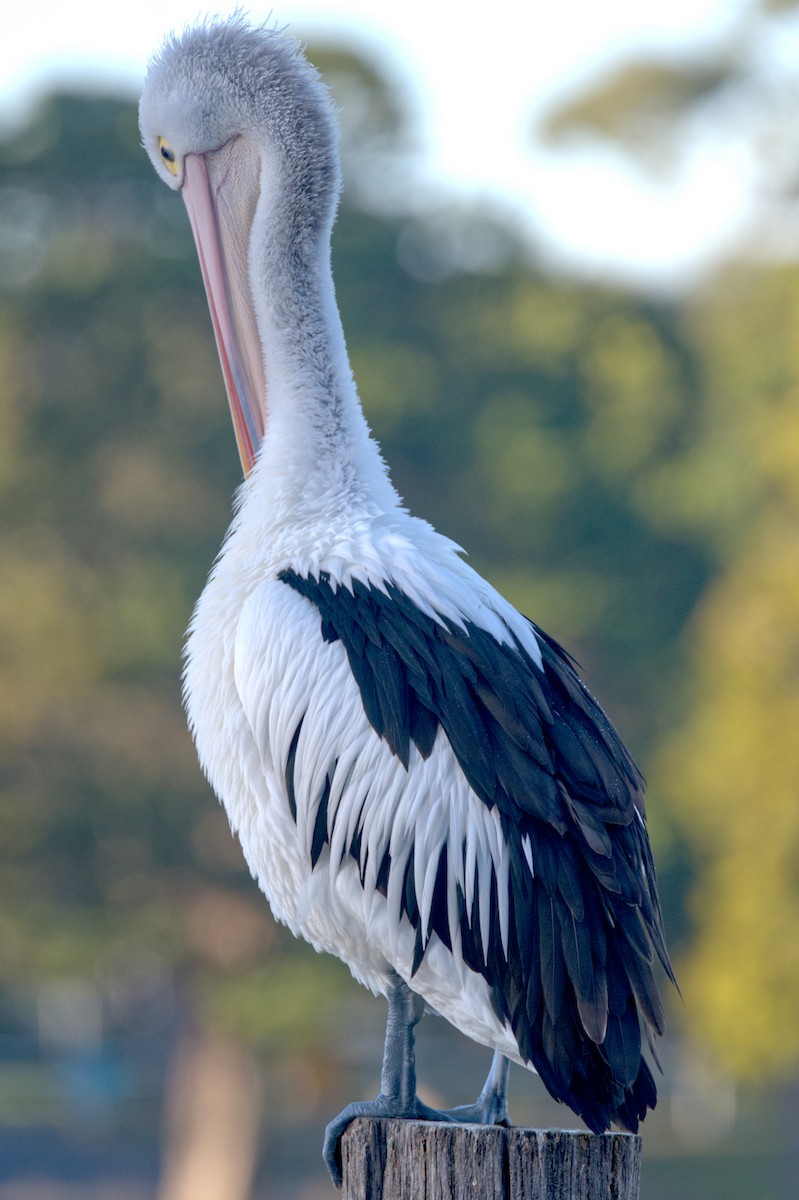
[287, 678]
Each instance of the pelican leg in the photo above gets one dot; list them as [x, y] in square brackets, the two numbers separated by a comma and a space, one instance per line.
[491, 1106]
[397, 1081]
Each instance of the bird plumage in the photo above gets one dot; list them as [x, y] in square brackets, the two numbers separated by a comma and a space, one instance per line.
[420, 781]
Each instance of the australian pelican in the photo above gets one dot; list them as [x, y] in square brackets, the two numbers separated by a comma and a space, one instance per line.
[421, 783]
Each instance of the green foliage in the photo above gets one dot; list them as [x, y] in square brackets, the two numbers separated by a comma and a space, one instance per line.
[635, 103]
[732, 770]
[727, 483]
[283, 1003]
[115, 492]
[733, 93]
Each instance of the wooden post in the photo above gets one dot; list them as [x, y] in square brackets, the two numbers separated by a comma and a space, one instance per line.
[419, 1160]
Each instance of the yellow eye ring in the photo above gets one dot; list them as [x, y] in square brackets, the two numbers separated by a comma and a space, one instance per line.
[168, 156]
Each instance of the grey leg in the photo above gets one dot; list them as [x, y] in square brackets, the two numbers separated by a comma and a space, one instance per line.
[398, 1076]
[398, 1082]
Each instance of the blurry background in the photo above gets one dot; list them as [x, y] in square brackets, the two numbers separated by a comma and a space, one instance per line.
[567, 265]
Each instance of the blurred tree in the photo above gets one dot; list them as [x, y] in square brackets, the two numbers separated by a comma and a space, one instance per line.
[116, 477]
[733, 94]
[641, 104]
[732, 771]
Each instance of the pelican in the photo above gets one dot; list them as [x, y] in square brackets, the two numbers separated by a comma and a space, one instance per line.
[420, 782]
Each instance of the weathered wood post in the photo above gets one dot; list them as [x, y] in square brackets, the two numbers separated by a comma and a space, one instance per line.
[417, 1160]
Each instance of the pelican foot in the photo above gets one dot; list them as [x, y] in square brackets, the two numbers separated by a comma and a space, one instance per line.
[491, 1106]
[383, 1106]
[479, 1113]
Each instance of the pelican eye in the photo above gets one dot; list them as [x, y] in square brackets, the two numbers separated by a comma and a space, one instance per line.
[168, 155]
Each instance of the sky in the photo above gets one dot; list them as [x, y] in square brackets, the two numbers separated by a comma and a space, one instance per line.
[477, 77]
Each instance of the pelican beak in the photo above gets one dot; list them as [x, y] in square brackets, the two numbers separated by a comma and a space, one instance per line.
[220, 191]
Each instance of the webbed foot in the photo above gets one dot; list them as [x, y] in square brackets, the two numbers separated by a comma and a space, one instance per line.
[383, 1106]
[491, 1106]
[398, 1097]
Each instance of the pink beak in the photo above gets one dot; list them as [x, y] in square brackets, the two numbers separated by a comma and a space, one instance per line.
[221, 227]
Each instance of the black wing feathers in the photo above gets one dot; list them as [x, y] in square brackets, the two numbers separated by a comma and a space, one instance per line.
[574, 974]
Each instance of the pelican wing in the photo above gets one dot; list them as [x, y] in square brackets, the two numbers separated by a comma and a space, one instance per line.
[568, 905]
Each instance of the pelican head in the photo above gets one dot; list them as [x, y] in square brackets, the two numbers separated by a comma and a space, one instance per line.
[238, 120]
